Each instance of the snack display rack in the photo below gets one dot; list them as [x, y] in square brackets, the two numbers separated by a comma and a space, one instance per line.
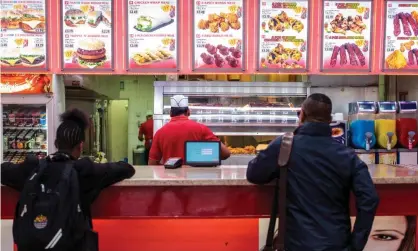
[26, 125]
[246, 116]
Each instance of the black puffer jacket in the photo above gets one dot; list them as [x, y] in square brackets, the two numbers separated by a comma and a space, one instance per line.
[321, 175]
[93, 177]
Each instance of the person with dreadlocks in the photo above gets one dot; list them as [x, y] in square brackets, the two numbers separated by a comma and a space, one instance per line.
[321, 174]
[89, 178]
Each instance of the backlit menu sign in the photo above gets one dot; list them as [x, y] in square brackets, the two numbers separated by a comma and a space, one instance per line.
[152, 41]
[346, 36]
[23, 35]
[401, 36]
[87, 35]
[283, 35]
[218, 38]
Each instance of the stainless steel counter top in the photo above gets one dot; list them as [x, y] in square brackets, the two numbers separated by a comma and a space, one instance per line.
[236, 176]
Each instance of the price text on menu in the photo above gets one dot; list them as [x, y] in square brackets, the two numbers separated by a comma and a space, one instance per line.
[23, 34]
[152, 34]
[87, 34]
[401, 41]
[218, 35]
[346, 35]
[283, 40]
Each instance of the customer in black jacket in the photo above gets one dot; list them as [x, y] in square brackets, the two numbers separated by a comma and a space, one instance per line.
[93, 177]
[321, 175]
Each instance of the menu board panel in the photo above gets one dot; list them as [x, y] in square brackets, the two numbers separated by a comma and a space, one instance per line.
[283, 35]
[346, 36]
[87, 35]
[401, 36]
[25, 83]
[152, 35]
[218, 37]
[23, 35]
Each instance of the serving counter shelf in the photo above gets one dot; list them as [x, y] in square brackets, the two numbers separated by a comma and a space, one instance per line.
[243, 115]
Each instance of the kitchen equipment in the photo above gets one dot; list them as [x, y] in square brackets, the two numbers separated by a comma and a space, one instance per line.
[361, 116]
[385, 127]
[406, 129]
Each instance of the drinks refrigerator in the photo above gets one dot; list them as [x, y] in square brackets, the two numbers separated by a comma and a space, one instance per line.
[27, 124]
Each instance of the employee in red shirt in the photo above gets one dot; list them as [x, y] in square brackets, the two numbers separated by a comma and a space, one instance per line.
[147, 129]
[169, 140]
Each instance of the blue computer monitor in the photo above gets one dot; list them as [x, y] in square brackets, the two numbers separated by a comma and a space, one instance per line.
[202, 153]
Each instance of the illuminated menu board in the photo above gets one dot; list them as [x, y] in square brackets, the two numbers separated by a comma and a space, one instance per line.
[401, 36]
[152, 35]
[87, 35]
[23, 35]
[218, 39]
[346, 36]
[283, 35]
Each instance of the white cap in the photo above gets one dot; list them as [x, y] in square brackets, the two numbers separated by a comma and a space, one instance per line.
[149, 113]
[179, 101]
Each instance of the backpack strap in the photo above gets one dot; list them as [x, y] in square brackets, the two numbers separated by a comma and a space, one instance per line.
[279, 197]
[284, 156]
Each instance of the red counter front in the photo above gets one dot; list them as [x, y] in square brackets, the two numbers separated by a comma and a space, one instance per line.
[219, 214]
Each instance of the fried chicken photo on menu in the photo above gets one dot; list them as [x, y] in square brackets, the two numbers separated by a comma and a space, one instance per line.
[74, 18]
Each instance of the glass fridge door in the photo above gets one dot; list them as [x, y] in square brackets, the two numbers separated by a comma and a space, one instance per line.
[25, 131]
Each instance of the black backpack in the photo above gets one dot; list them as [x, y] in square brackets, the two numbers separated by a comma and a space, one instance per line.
[48, 214]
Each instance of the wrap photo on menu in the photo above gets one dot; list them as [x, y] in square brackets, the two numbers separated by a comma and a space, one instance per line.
[283, 35]
[218, 35]
[23, 40]
[401, 40]
[346, 35]
[87, 35]
[152, 29]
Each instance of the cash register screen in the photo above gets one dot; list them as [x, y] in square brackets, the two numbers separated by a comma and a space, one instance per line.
[202, 153]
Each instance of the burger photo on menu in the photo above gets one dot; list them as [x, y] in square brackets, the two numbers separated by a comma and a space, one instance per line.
[10, 58]
[11, 20]
[91, 53]
[32, 57]
[33, 21]
[74, 18]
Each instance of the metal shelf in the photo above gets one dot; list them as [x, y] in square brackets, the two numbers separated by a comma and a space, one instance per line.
[25, 150]
[25, 128]
[248, 133]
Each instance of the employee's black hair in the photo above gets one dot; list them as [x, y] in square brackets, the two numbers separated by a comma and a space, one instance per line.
[177, 111]
[317, 108]
[71, 131]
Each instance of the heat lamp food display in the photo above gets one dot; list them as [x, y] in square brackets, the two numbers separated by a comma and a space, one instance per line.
[283, 35]
[218, 35]
[346, 35]
[23, 40]
[401, 39]
[87, 34]
[152, 35]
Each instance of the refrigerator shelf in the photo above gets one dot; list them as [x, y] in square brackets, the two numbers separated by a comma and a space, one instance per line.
[25, 150]
[26, 127]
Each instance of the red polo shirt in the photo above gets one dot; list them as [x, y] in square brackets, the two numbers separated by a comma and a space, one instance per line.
[169, 141]
[147, 128]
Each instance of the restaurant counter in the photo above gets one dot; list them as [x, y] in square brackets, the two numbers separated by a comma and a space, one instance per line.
[222, 193]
